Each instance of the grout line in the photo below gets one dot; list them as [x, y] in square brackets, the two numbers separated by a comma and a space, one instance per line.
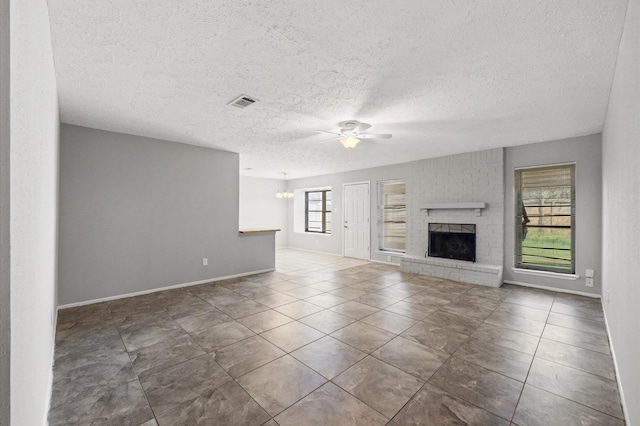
[579, 403]
[528, 372]
[360, 320]
[356, 397]
[144, 391]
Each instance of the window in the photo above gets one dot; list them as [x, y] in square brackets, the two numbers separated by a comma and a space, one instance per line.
[392, 225]
[545, 218]
[318, 211]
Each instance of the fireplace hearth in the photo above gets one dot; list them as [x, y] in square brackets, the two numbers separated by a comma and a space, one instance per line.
[452, 241]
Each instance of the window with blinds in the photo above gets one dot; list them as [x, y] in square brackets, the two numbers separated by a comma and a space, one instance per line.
[318, 211]
[545, 218]
[392, 209]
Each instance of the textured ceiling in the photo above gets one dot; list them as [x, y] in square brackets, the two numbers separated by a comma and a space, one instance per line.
[443, 76]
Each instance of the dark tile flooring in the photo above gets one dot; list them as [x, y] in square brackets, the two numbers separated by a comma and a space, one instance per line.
[326, 340]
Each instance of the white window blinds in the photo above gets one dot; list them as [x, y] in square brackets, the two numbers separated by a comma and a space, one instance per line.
[545, 218]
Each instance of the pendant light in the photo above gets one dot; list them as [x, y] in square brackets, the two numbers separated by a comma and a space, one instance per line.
[284, 193]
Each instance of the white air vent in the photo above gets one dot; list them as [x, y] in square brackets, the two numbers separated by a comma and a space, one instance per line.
[243, 101]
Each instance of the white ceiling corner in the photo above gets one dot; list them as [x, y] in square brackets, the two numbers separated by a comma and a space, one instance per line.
[443, 76]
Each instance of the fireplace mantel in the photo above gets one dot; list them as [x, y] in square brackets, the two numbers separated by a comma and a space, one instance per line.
[473, 205]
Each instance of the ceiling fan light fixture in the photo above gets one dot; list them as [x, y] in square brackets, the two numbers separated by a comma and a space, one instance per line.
[350, 142]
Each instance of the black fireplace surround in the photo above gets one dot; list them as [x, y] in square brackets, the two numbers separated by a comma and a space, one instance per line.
[452, 241]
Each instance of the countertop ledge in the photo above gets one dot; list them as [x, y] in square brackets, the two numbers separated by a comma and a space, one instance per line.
[258, 230]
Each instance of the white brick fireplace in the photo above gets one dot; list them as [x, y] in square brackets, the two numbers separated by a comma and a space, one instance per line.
[452, 190]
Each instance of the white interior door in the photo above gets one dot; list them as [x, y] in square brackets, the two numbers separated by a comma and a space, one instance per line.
[357, 217]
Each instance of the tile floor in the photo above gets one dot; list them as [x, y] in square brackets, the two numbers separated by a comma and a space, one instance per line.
[326, 340]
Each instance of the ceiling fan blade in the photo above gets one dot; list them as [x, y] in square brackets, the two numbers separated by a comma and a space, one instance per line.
[361, 128]
[331, 133]
[372, 136]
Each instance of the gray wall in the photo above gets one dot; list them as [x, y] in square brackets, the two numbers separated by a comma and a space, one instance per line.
[585, 152]
[333, 244]
[138, 214]
[621, 204]
[34, 210]
[5, 275]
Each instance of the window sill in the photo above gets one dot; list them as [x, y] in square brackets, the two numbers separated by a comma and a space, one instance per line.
[317, 234]
[391, 253]
[557, 275]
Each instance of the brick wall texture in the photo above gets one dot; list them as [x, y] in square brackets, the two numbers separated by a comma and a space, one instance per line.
[475, 176]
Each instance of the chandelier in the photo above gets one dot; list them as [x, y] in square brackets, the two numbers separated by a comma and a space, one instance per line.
[284, 193]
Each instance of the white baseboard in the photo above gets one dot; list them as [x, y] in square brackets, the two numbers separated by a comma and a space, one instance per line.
[312, 251]
[384, 262]
[617, 371]
[334, 254]
[558, 290]
[155, 290]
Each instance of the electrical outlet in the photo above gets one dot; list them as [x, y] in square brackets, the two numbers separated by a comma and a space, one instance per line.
[205, 261]
[589, 282]
[388, 258]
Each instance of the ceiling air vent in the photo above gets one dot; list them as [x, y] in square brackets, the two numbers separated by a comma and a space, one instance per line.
[243, 101]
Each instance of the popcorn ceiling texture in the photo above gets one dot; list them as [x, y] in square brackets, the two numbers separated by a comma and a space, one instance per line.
[462, 178]
[443, 77]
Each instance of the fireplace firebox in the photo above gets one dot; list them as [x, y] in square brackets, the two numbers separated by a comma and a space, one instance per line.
[452, 241]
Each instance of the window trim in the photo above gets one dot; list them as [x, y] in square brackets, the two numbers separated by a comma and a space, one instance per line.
[324, 211]
[380, 206]
[559, 275]
[535, 269]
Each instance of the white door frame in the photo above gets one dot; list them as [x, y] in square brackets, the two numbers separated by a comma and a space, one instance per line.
[344, 203]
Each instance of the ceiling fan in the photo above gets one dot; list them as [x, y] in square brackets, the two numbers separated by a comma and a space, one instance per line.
[351, 132]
